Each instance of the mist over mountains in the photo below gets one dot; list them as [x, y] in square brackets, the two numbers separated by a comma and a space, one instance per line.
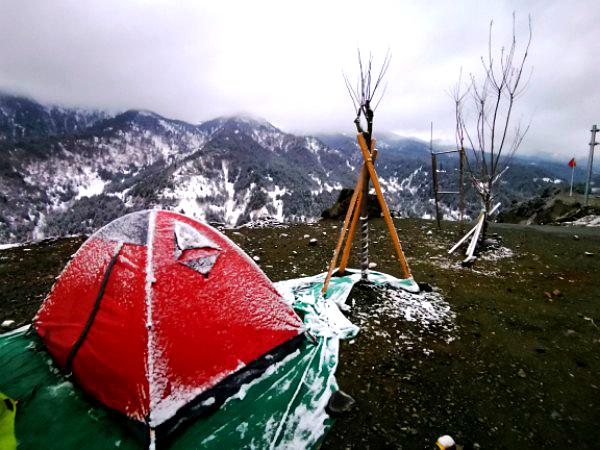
[65, 171]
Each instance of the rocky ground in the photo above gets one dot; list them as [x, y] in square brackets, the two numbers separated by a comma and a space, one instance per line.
[505, 357]
[552, 207]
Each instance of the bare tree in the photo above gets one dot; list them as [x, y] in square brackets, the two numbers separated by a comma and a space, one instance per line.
[364, 93]
[363, 96]
[484, 112]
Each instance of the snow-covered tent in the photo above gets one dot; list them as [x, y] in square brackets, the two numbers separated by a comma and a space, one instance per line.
[162, 318]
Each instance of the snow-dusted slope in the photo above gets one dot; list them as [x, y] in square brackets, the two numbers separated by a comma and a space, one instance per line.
[231, 170]
[23, 118]
[66, 171]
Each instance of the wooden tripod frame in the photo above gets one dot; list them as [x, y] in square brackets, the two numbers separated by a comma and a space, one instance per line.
[353, 213]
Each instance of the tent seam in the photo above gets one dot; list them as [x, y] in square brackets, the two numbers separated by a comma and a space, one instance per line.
[148, 299]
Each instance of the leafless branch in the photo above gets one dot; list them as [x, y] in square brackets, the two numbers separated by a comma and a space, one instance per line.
[366, 88]
[492, 101]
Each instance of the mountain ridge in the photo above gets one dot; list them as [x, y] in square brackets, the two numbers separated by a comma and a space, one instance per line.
[73, 175]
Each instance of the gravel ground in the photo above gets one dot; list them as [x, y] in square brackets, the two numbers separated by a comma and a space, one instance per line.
[500, 355]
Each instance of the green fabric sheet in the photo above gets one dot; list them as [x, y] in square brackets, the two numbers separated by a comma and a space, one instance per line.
[284, 408]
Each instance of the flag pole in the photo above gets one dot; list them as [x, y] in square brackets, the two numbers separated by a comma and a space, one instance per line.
[572, 173]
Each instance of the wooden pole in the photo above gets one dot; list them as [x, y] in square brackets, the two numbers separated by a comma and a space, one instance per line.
[338, 247]
[386, 212]
[348, 245]
[475, 238]
[434, 173]
[461, 181]
[465, 237]
[472, 230]
[435, 189]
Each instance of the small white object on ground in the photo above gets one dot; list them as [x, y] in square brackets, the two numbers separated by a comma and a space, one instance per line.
[7, 323]
[256, 258]
[445, 442]
[306, 236]
[372, 265]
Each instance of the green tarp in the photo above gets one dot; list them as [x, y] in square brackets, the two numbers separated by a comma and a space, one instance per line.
[284, 408]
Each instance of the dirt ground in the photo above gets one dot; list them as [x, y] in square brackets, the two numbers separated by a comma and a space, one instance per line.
[515, 368]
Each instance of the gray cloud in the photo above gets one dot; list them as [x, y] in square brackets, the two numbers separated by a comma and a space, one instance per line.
[195, 60]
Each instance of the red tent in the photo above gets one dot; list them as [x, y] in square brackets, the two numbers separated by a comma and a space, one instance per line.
[158, 314]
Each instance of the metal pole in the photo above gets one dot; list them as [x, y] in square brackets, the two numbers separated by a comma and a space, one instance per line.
[364, 206]
[588, 183]
[572, 174]
[364, 224]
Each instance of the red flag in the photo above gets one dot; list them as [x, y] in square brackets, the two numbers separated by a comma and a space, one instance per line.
[572, 163]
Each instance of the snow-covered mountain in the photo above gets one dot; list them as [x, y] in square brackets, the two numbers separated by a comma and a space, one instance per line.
[22, 118]
[73, 179]
[65, 171]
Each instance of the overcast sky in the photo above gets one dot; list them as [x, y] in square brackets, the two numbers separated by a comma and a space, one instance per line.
[281, 60]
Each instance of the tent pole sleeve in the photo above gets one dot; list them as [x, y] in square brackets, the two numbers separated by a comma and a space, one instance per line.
[95, 309]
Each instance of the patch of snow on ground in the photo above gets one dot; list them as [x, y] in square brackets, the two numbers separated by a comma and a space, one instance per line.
[267, 222]
[7, 246]
[588, 221]
[444, 263]
[427, 311]
[495, 254]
